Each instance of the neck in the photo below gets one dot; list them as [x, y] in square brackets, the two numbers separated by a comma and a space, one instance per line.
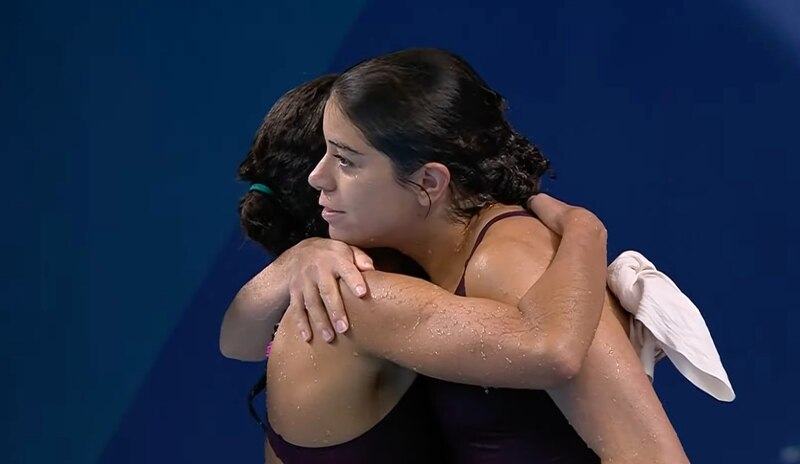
[442, 246]
[437, 245]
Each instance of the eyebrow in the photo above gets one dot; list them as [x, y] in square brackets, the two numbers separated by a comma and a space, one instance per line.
[342, 146]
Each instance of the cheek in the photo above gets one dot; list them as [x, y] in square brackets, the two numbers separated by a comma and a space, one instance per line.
[392, 203]
[376, 205]
[371, 193]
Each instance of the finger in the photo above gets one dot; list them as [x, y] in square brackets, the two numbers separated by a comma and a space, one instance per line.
[317, 315]
[549, 210]
[544, 202]
[297, 306]
[362, 260]
[332, 299]
[352, 277]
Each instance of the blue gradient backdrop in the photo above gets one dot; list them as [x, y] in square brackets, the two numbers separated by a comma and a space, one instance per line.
[123, 124]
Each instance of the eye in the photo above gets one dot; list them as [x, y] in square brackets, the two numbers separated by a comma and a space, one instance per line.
[343, 162]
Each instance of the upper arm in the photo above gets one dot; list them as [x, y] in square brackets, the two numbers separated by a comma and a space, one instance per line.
[611, 403]
[423, 327]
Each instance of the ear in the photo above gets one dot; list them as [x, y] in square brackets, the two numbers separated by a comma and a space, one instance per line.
[435, 180]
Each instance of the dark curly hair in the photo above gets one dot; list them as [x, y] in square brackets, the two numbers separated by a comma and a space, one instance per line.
[287, 146]
[428, 105]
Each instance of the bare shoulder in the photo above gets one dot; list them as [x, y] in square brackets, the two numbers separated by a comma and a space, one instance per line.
[513, 254]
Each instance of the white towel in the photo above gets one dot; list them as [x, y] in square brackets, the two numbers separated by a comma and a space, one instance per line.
[665, 321]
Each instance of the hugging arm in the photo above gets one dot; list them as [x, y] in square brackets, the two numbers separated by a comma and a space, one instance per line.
[483, 341]
[610, 401]
[249, 320]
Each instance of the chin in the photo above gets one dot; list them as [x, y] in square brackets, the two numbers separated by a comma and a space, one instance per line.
[337, 233]
[352, 238]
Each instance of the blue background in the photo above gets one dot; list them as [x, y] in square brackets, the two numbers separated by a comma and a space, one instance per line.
[123, 124]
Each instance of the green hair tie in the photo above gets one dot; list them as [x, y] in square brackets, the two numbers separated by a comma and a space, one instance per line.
[261, 188]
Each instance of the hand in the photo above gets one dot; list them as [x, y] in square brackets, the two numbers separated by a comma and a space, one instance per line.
[318, 264]
[559, 216]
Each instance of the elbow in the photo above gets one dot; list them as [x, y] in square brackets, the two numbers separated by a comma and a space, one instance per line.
[227, 349]
[232, 350]
[558, 363]
[566, 365]
[227, 345]
[240, 355]
[234, 338]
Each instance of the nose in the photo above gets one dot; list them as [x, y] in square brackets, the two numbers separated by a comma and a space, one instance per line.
[320, 178]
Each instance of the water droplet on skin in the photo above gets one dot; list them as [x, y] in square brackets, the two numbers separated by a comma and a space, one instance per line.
[509, 361]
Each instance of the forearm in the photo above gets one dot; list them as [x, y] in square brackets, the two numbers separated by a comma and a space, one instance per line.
[259, 305]
[420, 326]
[563, 307]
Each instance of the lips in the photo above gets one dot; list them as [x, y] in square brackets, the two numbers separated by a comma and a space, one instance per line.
[329, 214]
[328, 208]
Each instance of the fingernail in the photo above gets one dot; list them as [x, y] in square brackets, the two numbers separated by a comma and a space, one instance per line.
[361, 290]
[341, 326]
[327, 335]
[305, 336]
